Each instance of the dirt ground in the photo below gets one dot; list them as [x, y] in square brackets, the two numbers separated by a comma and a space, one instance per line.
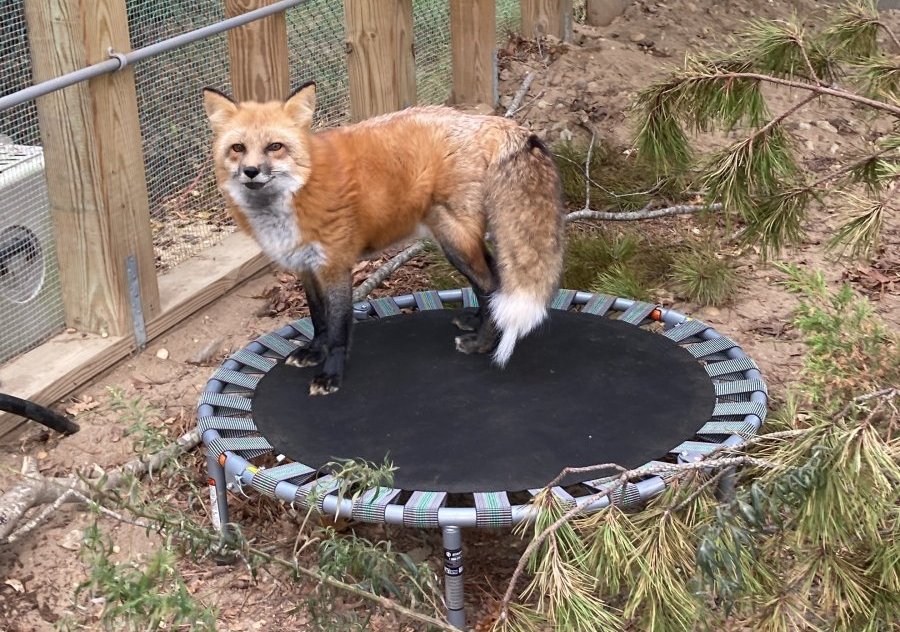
[586, 85]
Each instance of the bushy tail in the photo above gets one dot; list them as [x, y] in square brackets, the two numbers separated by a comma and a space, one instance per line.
[526, 218]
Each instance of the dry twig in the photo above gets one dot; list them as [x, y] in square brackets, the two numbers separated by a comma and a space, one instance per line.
[520, 94]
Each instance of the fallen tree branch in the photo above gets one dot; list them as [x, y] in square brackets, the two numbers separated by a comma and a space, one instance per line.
[387, 270]
[631, 216]
[520, 95]
[587, 174]
[35, 490]
[31, 491]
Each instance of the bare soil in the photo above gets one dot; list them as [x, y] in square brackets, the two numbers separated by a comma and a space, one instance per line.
[580, 88]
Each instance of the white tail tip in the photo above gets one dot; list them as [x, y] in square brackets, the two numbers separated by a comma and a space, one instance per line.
[516, 315]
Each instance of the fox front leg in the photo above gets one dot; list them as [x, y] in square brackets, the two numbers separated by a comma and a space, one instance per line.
[313, 353]
[337, 298]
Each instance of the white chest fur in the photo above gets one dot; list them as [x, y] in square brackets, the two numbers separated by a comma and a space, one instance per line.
[275, 228]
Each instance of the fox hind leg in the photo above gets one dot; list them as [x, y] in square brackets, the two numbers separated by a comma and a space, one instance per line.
[473, 260]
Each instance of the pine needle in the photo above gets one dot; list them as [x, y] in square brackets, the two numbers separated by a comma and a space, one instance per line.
[702, 276]
[620, 280]
[854, 29]
[860, 234]
[662, 559]
[879, 77]
[783, 48]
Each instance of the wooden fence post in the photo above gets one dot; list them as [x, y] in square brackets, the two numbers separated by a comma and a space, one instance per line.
[95, 167]
[473, 33]
[258, 53]
[547, 17]
[379, 38]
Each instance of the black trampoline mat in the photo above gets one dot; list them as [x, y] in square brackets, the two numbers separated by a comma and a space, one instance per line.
[581, 391]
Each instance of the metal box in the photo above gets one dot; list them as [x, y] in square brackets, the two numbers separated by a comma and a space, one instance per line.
[31, 306]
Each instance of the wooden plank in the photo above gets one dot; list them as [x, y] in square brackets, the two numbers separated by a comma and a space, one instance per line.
[603, 12]
[547, 17]
[204, 278]
[259, 54]
[94, 164]
[69, 361]
[474, 49]
[380, 63]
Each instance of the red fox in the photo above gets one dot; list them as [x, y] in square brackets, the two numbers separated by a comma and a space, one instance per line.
[318, 202]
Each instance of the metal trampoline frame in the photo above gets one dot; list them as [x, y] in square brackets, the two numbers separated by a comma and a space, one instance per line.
[233, 441]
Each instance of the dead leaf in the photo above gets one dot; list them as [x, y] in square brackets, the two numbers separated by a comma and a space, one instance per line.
[15, 584]
[82, 405]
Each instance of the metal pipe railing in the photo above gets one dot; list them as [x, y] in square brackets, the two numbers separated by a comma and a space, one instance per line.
[117, 60]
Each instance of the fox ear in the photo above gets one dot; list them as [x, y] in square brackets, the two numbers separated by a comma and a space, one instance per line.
[219, 107]
[301, 105]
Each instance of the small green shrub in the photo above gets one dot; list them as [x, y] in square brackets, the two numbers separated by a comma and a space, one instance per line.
[850, 350]
[701, 276]
[144, 597]
[587, 253]
[621, 280]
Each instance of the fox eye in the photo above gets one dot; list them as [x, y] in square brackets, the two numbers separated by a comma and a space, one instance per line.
[238, 148]
[274, 147]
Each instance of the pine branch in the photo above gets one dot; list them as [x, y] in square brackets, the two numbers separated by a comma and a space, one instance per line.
[890, 33]
[618, 483]
[781, 117]
[830, 91]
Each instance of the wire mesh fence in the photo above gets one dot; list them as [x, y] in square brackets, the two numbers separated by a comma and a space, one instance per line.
[316, 53]
[187, 213]
[31, 307]
[431, 30]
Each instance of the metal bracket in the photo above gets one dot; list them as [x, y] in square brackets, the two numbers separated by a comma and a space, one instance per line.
[134, 296]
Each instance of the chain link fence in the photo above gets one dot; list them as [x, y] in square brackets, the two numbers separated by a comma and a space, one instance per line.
[187, 212]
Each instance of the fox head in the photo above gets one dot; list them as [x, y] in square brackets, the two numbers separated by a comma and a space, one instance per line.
[261, 150]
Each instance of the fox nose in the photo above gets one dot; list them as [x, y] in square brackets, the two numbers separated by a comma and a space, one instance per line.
[251, 172]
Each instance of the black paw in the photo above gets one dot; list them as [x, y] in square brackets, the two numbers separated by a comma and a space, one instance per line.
[305, 356]
[473, 343]
[468, 321]
[324, 384]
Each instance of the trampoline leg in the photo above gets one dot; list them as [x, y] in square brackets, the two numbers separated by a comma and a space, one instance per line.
[453, 577]
[217, 494]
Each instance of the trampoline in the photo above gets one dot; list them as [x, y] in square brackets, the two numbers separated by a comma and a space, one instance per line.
[605, 380]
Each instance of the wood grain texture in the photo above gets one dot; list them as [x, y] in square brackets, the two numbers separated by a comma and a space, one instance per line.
[474, 44]
[68, 361]
[547, 17]
[380, 63]
[94, 164]
[259, 54]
